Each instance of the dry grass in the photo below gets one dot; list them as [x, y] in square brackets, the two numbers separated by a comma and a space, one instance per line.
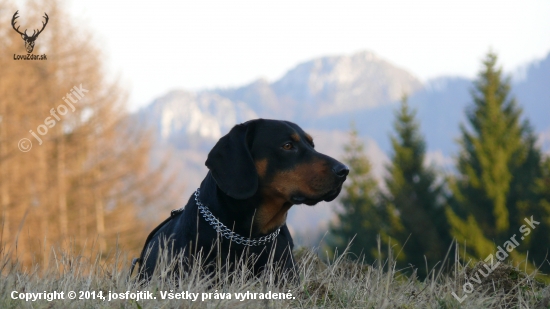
[340, 284]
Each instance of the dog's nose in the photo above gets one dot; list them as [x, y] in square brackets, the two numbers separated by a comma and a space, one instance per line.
[341, 170]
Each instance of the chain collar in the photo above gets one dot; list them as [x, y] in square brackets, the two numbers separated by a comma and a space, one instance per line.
[227, 233]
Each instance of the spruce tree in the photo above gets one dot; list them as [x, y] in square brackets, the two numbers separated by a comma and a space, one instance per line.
[498, 166]
[358, 219]
[414, 194]
[539, 244]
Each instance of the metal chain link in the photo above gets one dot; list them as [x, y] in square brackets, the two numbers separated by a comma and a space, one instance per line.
[227, 233]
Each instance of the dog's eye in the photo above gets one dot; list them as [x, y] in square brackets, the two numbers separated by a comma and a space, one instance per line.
[288, 146]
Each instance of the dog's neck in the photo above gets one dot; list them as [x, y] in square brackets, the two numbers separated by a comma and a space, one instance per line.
[238, 215]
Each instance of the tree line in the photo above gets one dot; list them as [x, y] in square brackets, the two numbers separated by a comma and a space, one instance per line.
[498, 196]
[83, 175]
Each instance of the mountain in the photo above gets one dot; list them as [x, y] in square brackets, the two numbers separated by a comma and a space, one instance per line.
[324, 96]
[193, 120]
[440, 106]
[533, 94]
[326, 87]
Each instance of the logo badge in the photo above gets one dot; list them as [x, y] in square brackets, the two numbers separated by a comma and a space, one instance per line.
[29, 40]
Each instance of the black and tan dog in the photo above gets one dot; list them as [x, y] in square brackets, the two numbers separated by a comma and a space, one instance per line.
[257, 172]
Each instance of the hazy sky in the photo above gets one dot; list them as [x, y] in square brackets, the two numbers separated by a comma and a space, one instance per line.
[160, 45]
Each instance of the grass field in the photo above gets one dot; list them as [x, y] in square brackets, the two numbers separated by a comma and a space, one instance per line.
[338, 284]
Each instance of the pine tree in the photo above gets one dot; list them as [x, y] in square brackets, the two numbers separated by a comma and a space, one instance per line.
[498, 166]
[359, 220]
[540, 240]
[414, 196]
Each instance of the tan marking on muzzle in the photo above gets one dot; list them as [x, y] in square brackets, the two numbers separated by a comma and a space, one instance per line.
[309, 179]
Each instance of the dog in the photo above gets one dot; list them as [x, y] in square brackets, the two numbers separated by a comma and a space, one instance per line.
[257, 172]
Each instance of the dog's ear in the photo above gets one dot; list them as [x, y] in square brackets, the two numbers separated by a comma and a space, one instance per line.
[231, 163]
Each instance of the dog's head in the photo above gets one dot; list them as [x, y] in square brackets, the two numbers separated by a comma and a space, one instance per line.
[276, 161]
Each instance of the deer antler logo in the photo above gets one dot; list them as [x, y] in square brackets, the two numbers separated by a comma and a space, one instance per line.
[29, 40]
